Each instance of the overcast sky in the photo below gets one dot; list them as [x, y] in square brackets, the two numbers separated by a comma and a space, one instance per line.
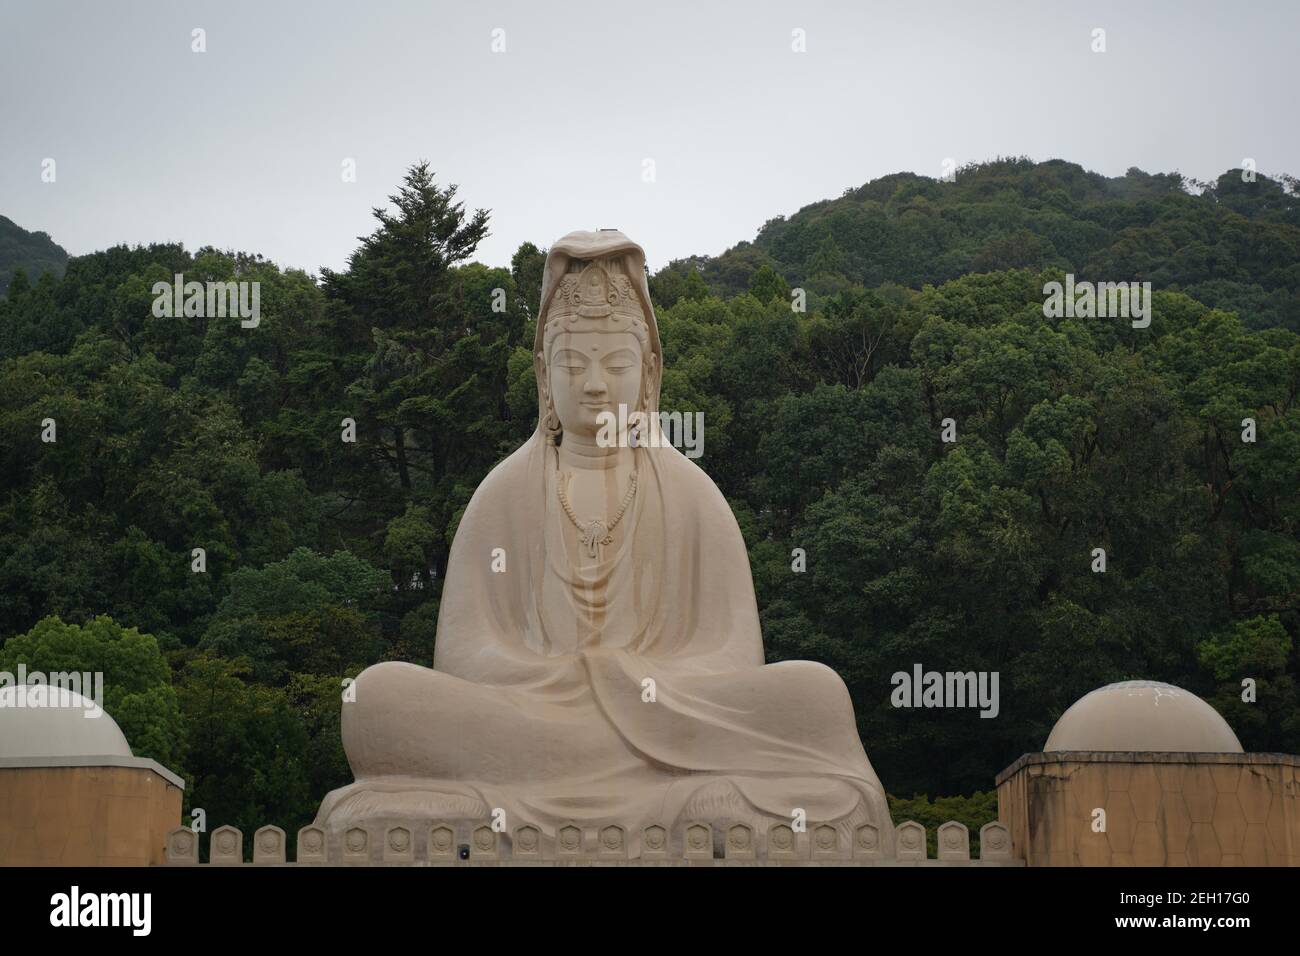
[242, 146]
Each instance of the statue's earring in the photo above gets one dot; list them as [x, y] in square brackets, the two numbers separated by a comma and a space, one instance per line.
[552, 423]
[646, 430]
[648, 384]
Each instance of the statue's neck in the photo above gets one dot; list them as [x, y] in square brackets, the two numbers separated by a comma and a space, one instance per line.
[583, 451]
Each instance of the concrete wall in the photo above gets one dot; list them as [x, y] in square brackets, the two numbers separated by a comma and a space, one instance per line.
[85, 815]
[1162, 809]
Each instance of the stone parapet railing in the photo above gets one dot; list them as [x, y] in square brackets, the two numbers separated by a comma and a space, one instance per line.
[471, 843]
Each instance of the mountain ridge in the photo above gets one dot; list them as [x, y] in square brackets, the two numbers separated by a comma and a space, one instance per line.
[33, 252]
[1231, 242]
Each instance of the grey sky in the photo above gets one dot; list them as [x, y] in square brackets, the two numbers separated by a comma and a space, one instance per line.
[241, 147]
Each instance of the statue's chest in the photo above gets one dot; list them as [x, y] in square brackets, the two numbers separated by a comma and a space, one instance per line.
[595, 505]
[597, 593]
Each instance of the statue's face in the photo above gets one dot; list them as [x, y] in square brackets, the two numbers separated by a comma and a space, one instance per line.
[592, 373]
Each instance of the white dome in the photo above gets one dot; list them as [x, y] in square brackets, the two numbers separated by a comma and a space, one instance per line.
[63, 730]
[1142, 715]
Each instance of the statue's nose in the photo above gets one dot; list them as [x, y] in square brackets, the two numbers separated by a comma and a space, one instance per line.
[595, 385]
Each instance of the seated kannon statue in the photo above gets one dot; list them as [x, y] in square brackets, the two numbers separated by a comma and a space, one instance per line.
[599, 659]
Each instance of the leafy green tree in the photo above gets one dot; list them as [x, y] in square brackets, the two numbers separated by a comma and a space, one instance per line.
[430, 400]
[1255, 691]
[767, 285]
[137, 684]
[247, 747]
[676, 282]
[308, 613]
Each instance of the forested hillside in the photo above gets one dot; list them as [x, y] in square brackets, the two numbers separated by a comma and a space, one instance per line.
[1229, 244]
[33, 253]
[822, 428]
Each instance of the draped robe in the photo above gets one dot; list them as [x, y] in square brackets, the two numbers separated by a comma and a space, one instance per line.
[629, 692]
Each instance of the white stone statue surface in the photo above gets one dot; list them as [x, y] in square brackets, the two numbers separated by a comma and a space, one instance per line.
[605, 666]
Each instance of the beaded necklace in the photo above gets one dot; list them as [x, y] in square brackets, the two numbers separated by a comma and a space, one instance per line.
[596, 531]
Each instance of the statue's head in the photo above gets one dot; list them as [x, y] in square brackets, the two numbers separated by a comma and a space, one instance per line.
[597, 348]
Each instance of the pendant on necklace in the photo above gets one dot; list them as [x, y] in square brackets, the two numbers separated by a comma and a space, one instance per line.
[595, 534]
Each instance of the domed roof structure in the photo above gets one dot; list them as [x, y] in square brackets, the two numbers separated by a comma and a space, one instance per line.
[55, 723]
[1142, 715]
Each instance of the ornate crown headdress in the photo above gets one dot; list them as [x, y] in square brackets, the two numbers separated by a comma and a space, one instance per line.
[597, 301]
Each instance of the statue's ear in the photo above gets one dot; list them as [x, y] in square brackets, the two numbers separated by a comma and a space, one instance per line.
[539, 366]
[651, 384]
[550, 421]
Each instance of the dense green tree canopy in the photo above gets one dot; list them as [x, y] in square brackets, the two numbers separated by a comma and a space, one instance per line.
[1233, 244]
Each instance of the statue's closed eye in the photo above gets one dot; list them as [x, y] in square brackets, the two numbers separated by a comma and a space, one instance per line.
[621, 361]
[570, 360]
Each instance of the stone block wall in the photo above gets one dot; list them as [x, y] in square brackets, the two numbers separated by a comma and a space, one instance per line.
[1156, 809]
[85, 815]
